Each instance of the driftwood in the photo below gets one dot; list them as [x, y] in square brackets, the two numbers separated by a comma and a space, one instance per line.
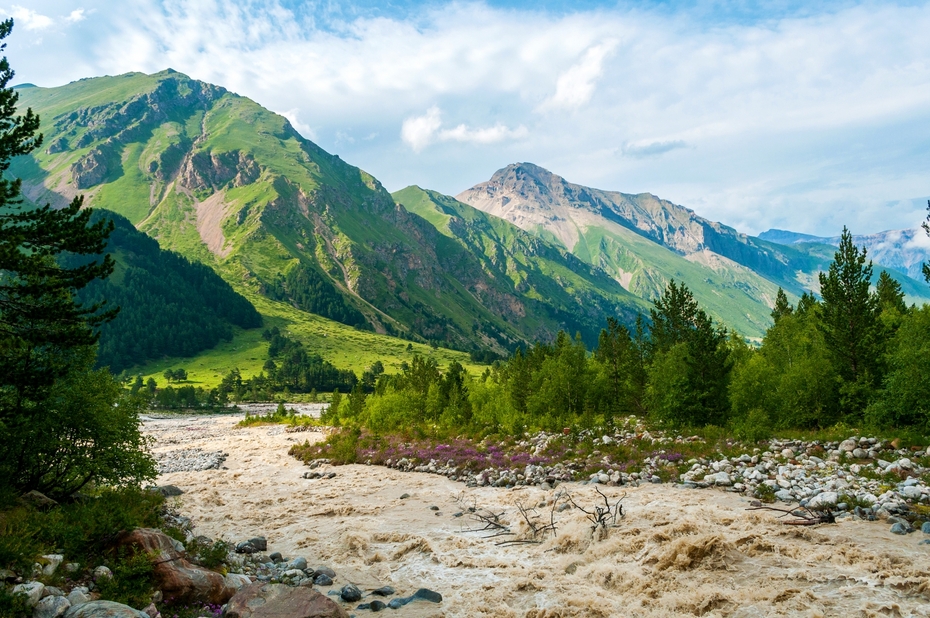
[805, 516]
[537, 529]
[602, 517]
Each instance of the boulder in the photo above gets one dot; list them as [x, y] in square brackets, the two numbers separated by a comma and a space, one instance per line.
[78, 596]
[237, 580]
[52, 561]
[179, 580]
[38, 500]
[823, 500]
[849, 445]
[32, 590]
[261, 600]
[51, 607]
[104, 609]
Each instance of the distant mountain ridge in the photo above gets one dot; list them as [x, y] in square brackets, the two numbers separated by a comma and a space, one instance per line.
[903, 250]
[643, 241]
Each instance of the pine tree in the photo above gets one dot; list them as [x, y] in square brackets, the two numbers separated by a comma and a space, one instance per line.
[850, 324]
[890, 295]
[782, 306]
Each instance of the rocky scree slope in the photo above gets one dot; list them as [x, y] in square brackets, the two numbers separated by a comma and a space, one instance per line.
[221, 180]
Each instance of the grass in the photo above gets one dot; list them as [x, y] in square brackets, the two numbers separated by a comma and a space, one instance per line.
[344, 346]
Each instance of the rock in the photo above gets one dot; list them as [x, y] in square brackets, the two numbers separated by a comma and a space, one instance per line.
[7, 575]
[848, 446]
[323, 580]
[324, 570]
[375, 606]
[925, 528]
[900, 528]
[52, 591]
[79, 596]
[823, 500]
[151, 611]
[784, 495]
[52, 562]
[236, 580]
[102, 572]
[434, 508]
[276, 557]
[38, 500]
[32, 590]
[858, 453]
[297, 563]
[350, 593]
[259, 543]
[384, 591]
[405, 496]
[104, 609]
[722, 478]
[293, 574]
[260, 600]
[72, 567]
[423, 594]
[169, 491]
[911, 492]
[51, 607]
[177, 578]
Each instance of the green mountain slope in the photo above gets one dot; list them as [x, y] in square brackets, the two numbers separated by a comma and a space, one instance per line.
[223, 181]
[565, 287]
[168, 305]
[643, 241]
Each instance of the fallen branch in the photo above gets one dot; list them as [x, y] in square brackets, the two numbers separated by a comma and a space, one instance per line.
[806, 516]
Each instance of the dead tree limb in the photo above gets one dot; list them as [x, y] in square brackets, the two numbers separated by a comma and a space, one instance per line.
[805, 516]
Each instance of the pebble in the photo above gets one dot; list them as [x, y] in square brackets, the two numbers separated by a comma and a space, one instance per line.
[350, 593]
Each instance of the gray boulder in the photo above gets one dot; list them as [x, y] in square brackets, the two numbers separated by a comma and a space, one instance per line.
[51, 607]
[104, 609]
[32, 590]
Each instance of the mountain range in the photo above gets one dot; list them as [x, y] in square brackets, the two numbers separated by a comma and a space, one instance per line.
[222, 181]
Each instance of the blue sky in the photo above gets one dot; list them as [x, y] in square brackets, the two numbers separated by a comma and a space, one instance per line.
[799, 115]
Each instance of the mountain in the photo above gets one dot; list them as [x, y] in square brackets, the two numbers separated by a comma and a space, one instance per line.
[223, 181]
[169, 306]
[902, 250]
[643, 241]
[574, 292]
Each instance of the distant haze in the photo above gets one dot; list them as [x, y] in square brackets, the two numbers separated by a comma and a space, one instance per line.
[790, 115]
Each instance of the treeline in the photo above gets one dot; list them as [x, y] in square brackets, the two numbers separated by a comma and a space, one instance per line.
[854, 356]
[168, 305]
[307, 289]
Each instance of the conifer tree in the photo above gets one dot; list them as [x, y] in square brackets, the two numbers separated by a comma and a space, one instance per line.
[782, 306]
[890, 295]
[850, 325]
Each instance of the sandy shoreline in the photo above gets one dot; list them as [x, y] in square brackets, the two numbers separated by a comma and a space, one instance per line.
[678, 552]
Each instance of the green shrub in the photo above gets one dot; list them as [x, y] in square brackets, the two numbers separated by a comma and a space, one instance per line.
[131, 583]
[210, 555]
[14, 605]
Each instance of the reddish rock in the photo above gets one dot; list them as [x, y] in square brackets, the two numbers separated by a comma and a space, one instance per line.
[179, 580]
[261, 600]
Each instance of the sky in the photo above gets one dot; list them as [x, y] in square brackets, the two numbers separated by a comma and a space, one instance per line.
[805, 116]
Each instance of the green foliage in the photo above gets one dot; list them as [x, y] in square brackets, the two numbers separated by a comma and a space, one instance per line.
[14, 605]
[905, 397]
[84, 530]
[307, 289]
[169, 306]
[211, 555]
[131, 583]
[849, 320]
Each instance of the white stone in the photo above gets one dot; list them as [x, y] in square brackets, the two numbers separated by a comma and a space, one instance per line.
[787, 453]
[51, 607]
[905, 463]
[827, 498]
[102, 572]
[78, 596]
[237, 580]
[52, 563]
[849, 445]
[722, 478]
[911, 492]
[32, 590]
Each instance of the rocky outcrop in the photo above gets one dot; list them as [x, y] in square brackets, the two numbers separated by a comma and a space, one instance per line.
[92, 168]
[58, 145]
[260, 600]
[177, 578]
[211, 171]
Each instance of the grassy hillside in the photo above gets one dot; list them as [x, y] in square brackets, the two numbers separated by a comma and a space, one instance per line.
[221, 180]
[345, 347]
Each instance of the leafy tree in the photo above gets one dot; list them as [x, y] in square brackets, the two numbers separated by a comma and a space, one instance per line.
[850, 325]
[905, 398]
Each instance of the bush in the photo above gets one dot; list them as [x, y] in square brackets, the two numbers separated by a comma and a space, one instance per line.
[14, 605]
[84, 530]
[210, 555]
[85, 431]
[131, 583]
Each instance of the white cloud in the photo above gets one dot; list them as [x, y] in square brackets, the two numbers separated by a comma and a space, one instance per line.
[420, 131]
[300, 127]
[806, 121]
[28, 19]
[575, 87]
[76, 15]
